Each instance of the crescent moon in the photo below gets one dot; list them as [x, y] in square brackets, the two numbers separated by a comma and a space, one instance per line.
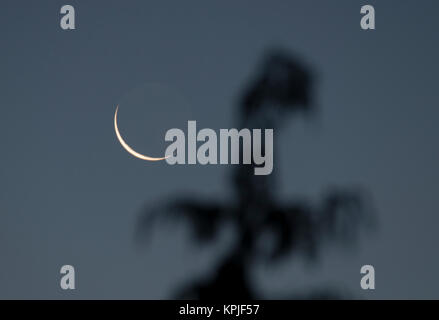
[127, 147]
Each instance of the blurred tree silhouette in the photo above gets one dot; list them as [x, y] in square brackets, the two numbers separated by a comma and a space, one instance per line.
[282, 86]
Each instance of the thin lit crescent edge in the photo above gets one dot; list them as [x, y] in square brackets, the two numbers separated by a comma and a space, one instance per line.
[127, 147]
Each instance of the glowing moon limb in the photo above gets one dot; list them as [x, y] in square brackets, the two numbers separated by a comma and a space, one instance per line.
[127, 147]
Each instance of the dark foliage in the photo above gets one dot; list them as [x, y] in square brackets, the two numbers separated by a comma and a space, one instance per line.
[282, 86]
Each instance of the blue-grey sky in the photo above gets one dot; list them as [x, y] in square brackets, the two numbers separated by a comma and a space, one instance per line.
[69, 194]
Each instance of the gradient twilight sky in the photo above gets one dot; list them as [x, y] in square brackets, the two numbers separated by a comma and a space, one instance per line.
[69, 194]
